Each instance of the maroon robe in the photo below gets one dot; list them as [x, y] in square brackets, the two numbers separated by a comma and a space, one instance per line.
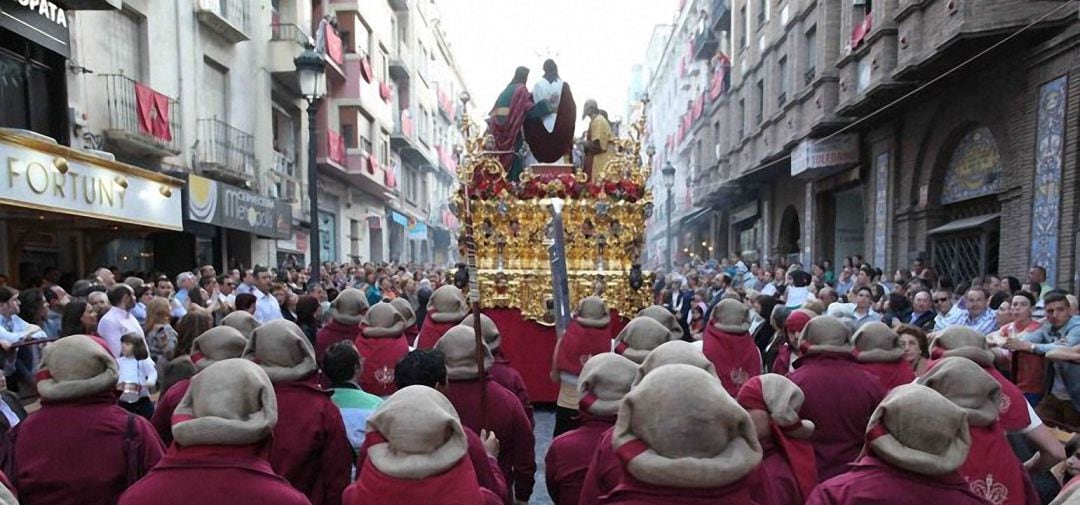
[840, 419]
[507, 131]
[783, 486]
[782, 364]
[872, 481]
[488, 474]
[432, 331]
[71, 452]
[1014, 415]
[506, 418]
[411, 333]
[380, 355]
[604, 473]
[735, 357]
[332, 333]
[455, 486]
[993, 471]
[502, 373]
[163, 411]
[310, 447]
[568, 458]
[548, 147]
[891, 374]
[237, 475]
[634, 492]
[579, 344]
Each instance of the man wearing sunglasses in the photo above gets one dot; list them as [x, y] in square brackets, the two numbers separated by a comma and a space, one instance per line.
[947, 312]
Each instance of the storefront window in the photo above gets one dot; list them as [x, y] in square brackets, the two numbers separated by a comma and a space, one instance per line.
[328, 236]
[32, 90]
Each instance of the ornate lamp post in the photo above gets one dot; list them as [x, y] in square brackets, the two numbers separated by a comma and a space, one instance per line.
[668, 173]
[309, 72]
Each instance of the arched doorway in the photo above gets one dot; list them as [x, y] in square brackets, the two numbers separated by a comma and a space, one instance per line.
[966, 246]
[787, 242]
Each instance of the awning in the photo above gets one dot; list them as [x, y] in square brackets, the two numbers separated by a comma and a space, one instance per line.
[696, 215]
[966, 223]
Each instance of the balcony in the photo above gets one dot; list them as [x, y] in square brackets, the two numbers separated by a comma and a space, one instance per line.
[404, 131]
[287, 41]
[226, 153]
[705, 45]
[399, 64]
[229, 18]
[142, 121]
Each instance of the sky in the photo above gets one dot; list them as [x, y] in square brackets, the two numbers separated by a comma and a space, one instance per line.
[594, 42]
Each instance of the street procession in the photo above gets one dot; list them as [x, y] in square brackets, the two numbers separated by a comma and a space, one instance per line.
[487, 252]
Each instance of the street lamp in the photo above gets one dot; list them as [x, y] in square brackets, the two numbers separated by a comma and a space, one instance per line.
[668, 173]
[309, 73]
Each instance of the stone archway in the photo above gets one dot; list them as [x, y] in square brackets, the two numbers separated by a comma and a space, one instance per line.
[789, 233]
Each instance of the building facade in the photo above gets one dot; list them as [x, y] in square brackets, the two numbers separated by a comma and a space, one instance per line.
[824, 149]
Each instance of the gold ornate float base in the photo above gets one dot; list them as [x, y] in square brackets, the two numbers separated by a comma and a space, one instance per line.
[530, 291]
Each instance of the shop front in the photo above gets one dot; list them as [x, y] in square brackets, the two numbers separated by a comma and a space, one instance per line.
[67, 209]
[834, 210]
[223, 220]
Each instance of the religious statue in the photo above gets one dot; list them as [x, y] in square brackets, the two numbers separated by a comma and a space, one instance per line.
[544, 118]
[598, 139]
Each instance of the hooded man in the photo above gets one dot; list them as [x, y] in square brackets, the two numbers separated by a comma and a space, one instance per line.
[310, 447]
[404, 306]
[639, 337]
[794, 326]
[604, 470]
[915, 442]
[964, 342]
[992, 470]
[242, 321]
[417, 452]
[80, 448]
[603, 382]
[214, 345]
[878, 351]
[501, 371]
[504, 415]
[728, 345]
[381, 344]
[773, 403]
[446, 309]
[664, 316]
[350, 306]
[667, 458]
[826, 368]
[588, 334]
[222, 432]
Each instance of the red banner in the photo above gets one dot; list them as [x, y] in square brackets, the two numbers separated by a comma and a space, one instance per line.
[153, 111]
[390, 178]
[333, 46]
[365, 69]
[861, 30]
[406, 123]
[384, 92]
[336, 146]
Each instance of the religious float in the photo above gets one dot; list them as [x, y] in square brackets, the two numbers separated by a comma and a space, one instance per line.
[539, 244]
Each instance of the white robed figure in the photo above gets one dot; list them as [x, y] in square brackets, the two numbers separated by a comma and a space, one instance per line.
[549, 89]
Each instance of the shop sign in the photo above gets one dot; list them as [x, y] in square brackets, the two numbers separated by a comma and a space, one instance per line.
[228, 206]
[835, 151]
[77, 186]
[40, 21]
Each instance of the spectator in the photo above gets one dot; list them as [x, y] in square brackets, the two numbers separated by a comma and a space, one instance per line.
[99, 300]
[79, 319]
[245, 302]
[978, 315]
[1060, 330]
[180, 365]
[922, 313]
[12, 411]
[118, 321]
[342, 365]
[185, 282]
[56, 299]
[161, 338]
[916, 348]
[864, 312]
[947, 313]
[309, 316]
[137, 375]
[1037, 275]
[266, 307]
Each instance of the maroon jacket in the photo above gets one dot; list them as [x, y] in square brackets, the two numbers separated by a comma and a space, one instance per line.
[633, 492]
[506, 418]
[163, 411]
[310, 447]
[604, 473]
[237, 475]
[896, 373]
[568, 458]
[432, 331]
[840, 419]
[380, 355]
[505, 375]
[72, 452]
[332, 333]
[488, 474]
[870, 479]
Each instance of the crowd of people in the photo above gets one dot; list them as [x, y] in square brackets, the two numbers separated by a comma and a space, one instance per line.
[743, 383]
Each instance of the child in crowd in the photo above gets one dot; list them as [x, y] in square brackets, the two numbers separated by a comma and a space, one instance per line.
[137, 375]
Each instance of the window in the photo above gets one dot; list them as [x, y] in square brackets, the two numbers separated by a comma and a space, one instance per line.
[763, 13]
[742, 118]
[781, 81]
[425, 126]
[348, 132]
[742, 33]
[216, 92]
[384, 149]
[424, 197]
[354, 238]
[811, 54]
[347, 41]
[384, 64]
[760, 109]
[125, 48]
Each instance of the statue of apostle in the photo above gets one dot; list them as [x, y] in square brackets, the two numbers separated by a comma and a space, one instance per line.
[505, 123]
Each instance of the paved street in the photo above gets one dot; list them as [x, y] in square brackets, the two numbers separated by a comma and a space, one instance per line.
[545, 423]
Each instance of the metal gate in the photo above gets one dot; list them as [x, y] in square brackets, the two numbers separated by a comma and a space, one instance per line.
[966, 254]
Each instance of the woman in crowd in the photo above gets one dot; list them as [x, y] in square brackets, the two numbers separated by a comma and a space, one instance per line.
[78, 319]
[309, 316]
[161, 338]
[916, 348]
[763, 334]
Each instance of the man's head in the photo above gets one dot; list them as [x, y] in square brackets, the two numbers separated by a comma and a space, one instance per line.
[163, 287]
[264, 280]
[57, 298]
[864, 276]
[976, 300]
[923, 301]
[226, 284]
[185, 281]
[864, 297]
[246, 302]
[249, 277]
[9, 301]
[423, 367]
[1058, 310]
[827, 295]
[551, 70]
[1037, 274]
[591, 109]
[99, 300]
[122, 296]
[341, 363]
[207, 271]
[943, 301]
[105, 277]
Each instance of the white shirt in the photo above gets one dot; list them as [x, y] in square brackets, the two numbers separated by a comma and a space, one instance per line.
[18, 327]
[10, 415]
[116, 323]
[544, 90]
[141, 372]
[266, 307]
